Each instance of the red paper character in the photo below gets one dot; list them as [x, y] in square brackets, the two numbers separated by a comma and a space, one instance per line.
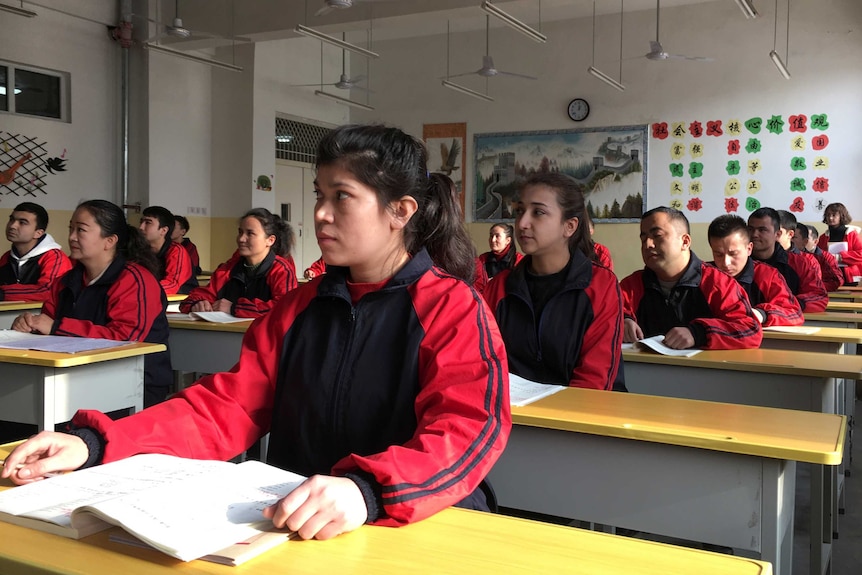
[799, 123]
[820, 185]
[695, 129]
[820, 142]
[694, 204]
[732, 147]
[798, 204]
[713, 128]
[659, 130]
[731, 205]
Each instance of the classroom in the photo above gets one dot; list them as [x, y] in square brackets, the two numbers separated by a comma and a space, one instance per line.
[138, 124]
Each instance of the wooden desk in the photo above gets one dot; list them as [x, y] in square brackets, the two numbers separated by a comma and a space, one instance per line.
[203, 346]
[9, 310]
[834, 319]
[174, 301]
[843, 295]
[454, 541]
[46, 388]
[853, 306]
[705, 471]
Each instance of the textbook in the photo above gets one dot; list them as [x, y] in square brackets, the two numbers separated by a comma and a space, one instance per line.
[655, 343]
[524, 392]
[797, 329]
[186, 508]
[11, 339]
[215, 316]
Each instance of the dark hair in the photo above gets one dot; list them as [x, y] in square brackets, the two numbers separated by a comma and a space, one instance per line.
[164, 215]
[131, 244]
[570, 197]
[812, 232]
[761, 213]
[727, 224]
[37, 210]
[183, 222]
[786, 220]
[675, 216]
[841, 210]
[394, 164]
[508, 231]
[802, 231]
[274, 226]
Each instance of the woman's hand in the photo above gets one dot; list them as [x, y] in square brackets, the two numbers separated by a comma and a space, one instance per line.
[33, 323]
[202, 306]
[222, 305]
[309, 274]
[47, 452]
[321, 507]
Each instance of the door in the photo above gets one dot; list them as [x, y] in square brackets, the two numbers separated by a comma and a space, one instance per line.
[294, 188]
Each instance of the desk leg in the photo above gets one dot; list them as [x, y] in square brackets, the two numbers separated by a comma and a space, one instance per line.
[822, 495]
[48, 417]
[779, 487]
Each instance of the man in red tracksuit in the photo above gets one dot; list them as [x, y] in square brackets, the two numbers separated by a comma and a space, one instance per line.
[677, 295]
[177, 277]
[766, 289]
[801, 273]
[805, 240]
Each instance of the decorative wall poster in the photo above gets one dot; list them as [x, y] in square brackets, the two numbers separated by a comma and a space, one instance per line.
[610, 163]
[24, 165]
[736, 165]
[447, 152]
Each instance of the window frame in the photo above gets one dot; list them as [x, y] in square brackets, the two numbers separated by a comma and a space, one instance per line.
[65, 79]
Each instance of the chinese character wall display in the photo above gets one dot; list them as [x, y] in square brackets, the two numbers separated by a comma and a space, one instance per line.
[735, 165]
[609, 163]
[447, 152]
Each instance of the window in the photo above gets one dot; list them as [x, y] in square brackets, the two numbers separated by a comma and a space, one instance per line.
[33, 91]
[297, 140]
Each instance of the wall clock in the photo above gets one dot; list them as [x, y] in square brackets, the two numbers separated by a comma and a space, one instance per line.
[578, 109]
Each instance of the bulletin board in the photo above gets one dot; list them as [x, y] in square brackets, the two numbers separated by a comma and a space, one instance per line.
[706, 167]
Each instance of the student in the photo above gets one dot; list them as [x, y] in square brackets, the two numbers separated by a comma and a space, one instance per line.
[840, 231]
[602, 253]
[503, 256]
[255, 277]
[385, 378]
[801, 273]
[110, 292]
[315, 269]
[178, 235]
[175, 274]
[766, 289]
[677, 295]
[35, 260]
[559, 312]
[805, 240]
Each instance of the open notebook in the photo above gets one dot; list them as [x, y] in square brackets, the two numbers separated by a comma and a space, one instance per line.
[654, 343]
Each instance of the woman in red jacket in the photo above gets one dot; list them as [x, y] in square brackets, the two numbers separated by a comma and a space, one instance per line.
[256, 276]
[559, 311]
[384, 379]
[840, 232]
[503, 255]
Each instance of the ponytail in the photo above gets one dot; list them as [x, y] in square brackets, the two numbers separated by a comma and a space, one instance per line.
[274, 226]
[131, 244]
[137, 249]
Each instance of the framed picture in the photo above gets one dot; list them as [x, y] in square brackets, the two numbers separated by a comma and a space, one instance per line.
[610, 164]
[447, 152]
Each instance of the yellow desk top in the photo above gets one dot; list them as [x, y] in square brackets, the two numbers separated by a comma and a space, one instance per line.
[776, 361]
[175, 297]
[233, 327]
[823, 334]
[53, 359]
[20, 305]
[454, 541]
[836, 316]
[854, 306]
[748, 430]
[841, 295]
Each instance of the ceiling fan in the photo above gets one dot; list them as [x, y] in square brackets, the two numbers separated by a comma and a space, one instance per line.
[488, 70]
[330, 5]
[344, 82]
[657, 51]
[177, 29]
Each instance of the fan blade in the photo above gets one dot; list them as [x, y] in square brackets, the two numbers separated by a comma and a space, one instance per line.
[324, 11]
[356, 79]
[479, 72]
[683, 57]
[515, 75]
[309, 85]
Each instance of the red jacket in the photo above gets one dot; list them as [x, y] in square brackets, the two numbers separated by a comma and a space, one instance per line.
[578, 339]
[406, 390]
[251, 297]
[318, 267]
[829, 270]
[802, 274]
[482, 277]
[851, 258]
[768, 292]
[176, 268]
[30, 277]
[603, 255]
[194, 257]
[707, 301]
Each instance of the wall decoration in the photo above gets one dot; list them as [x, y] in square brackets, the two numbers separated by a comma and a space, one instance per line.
[24, 164]
[447, 152]
[738, 164]
[264, 183]
[609, 162]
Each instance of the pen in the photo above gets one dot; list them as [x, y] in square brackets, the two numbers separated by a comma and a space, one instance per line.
[20, 465]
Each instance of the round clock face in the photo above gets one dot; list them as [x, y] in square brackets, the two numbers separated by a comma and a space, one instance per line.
[579, 109]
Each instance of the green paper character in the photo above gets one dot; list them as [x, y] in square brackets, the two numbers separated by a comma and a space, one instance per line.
[752, 204]
[753, 125]
[732, 167]
[819, 122]
[797, 185]
[676, 170]
[753, 146]
[797, 163]
[695, 169]
[775, 124]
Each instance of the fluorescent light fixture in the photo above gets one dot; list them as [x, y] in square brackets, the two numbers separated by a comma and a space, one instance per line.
[3, 91]
[776, 59]
[467, 91]
[19, 11]
[513, 22]
[341, 100]
[306, 31]
[284, 139]
[747, 7]
[605, 78]
[192, 57]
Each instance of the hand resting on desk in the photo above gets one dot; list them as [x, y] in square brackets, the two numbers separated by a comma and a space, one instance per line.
[47, 452]
[33, 323]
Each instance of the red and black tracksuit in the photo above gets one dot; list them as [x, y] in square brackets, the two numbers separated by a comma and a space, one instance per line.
[252, 294]
[176, 268]
[404, 391]
[851, 258]
[829, 270]
[603, 255]
[29, 277]
[318, 267]
[577, 340]
[194, 257]
[705, 300]
[768, 292]
[125, 304]
[490, 264]
[802, 274]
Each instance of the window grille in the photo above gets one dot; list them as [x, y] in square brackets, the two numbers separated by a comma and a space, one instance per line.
[297, 141]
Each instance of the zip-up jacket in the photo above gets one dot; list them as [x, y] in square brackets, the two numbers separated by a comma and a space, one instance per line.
[318, 267]
[125, 304]
[603, 255]
[802, 274]
[480, 283]
[194, 257]
[176, 267]
[251, 296]
[706, 300]
[406, 392]
[850, 258]
[579, 336]
[829, 270]
[768, 292]
[29, 277]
